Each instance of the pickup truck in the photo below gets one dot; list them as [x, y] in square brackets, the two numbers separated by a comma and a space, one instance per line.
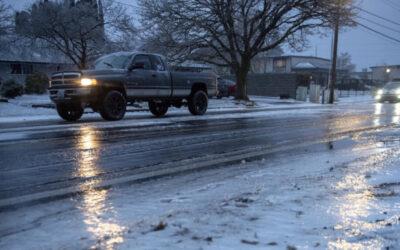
[123, 78]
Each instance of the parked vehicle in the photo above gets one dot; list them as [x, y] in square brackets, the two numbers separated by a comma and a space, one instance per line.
[390, 92]
[128, 77]
[226, 87]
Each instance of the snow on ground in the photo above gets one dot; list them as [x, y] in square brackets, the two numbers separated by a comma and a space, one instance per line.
[22, 106]
[20, 109]
[359, 98]
[344, 194]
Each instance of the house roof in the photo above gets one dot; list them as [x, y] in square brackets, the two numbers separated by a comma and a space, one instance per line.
[313, 65]
[297, 56]
[34, 58]
[17, 48]
[33, 62]
[385, 66]
[304, 65]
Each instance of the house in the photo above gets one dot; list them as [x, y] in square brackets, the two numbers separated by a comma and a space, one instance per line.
[385, 73]
[22, 58]
[18, 70]
[315, 69]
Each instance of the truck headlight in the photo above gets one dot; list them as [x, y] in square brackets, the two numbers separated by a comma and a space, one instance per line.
[398, 91]
[380, 92]
[88, 82]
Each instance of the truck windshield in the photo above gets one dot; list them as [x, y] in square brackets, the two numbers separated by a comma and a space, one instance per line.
[113, 61]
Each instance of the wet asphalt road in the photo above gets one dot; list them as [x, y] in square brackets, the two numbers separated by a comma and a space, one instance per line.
[44, 160]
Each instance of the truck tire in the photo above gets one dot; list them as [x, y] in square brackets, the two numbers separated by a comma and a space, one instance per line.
[158, 109]
[198, 103]
[113, 106]
[70, 112]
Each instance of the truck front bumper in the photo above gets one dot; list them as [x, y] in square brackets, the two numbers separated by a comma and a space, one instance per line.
[73, 95]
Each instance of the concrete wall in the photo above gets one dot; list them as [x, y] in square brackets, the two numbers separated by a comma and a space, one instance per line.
[47, 68]
[272, 84]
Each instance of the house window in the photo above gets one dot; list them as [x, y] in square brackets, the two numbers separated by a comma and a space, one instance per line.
[21, 69]
[279, 65]
[16, 69]
[27, 69]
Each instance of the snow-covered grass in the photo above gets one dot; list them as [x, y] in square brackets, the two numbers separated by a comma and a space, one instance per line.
[344, 197]
[22, 106]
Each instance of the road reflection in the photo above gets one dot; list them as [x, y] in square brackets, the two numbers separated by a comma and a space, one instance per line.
[355, 204]
[396, 115]
[386, 113]
[355, 198]
[98, 211]
[378, 113]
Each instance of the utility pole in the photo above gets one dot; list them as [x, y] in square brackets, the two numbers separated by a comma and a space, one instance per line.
[334, 56]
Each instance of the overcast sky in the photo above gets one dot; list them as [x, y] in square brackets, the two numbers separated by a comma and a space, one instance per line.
[366, 48]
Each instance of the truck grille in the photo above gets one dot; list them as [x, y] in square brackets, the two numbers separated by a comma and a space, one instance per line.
[65, 78]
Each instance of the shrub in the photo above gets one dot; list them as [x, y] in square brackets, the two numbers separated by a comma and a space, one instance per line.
[36, 83]
[11, 89]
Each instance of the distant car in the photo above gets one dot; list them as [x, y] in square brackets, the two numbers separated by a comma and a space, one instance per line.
[226, 88]
[389, 93]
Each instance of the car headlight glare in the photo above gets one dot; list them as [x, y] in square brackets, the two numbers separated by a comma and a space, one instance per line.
[378, 97]
[88, 82]
[398, 91]
[380, 92]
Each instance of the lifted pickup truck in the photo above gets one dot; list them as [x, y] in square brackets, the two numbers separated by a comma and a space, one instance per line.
[127, 77]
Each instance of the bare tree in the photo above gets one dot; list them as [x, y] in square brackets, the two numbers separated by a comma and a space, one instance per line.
[5, 22]
[77, 29]
[344, 62]
[232, 32]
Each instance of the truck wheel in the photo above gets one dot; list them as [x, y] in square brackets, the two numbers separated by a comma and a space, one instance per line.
[113, 106]
[198, 103]
[158, 109]
[70, 112]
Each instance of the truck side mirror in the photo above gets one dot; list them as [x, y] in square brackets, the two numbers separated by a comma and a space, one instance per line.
[137, 65]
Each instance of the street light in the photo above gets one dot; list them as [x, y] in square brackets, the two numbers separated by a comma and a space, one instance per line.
[388, 70]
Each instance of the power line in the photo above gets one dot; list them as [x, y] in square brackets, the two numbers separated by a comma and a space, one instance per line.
[381, 25]
[392, 4]
[378, 32]
[377, 16]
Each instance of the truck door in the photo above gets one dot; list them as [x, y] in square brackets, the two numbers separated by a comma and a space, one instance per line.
[139, 79]
[161, 77]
